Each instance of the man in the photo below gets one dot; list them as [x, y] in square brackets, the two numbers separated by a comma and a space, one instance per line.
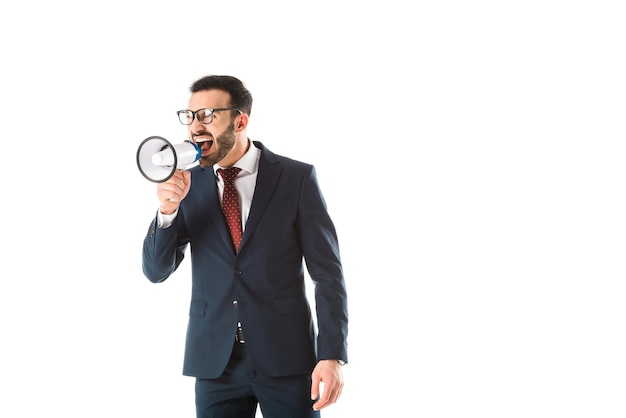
[251, 339]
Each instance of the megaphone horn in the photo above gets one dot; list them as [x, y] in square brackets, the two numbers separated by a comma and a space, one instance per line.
[158, 159]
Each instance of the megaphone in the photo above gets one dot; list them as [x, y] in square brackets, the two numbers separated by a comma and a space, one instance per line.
[158, 159]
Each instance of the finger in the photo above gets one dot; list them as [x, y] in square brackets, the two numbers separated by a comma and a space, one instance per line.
[169, 199]
[171, 189]
[169, 196]
[324, 399]
[330, 395]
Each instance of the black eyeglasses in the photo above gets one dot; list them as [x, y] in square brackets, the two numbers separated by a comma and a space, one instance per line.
[204, 116]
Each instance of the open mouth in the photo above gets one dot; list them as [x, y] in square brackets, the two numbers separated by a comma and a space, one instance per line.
[205, 147]
[204, 142]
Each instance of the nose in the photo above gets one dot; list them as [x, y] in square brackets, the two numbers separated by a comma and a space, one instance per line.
[195, 124]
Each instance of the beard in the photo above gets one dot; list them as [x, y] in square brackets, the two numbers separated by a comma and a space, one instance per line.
[222, 144]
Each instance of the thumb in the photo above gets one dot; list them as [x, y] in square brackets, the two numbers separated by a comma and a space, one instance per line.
[315, 387]
[186, 177]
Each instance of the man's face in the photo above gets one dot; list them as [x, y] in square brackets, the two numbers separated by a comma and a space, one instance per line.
[217, 138]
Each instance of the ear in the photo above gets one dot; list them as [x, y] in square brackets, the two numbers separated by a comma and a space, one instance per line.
[241, 122]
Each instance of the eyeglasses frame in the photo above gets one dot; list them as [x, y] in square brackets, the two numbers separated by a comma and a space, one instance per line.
[195, 114]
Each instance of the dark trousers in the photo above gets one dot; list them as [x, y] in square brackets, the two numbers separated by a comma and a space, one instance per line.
[240, 389]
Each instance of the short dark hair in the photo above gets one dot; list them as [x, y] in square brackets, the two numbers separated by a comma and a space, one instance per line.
[240, 97]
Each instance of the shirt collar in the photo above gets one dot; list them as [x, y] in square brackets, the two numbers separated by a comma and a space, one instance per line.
[249, 162]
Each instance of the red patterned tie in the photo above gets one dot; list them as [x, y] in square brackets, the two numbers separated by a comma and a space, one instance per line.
[230, 204]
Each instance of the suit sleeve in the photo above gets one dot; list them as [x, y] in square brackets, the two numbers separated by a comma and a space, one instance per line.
[163, 250]
[323, 261]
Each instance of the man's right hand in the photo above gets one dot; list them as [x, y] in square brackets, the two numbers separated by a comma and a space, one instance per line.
[173, 191]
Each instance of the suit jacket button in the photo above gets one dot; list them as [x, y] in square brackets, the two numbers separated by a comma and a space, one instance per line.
[234, 303]
[238, 272]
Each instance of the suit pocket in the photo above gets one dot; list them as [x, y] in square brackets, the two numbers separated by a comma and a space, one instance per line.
[197, 308]
[291, 305]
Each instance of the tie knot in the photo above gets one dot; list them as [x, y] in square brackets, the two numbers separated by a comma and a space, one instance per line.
[229, 174]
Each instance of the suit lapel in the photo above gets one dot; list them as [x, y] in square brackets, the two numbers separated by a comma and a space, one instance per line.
[267, 179]
[212, 202]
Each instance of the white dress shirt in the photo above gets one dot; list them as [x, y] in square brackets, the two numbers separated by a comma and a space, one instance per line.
[244, 183]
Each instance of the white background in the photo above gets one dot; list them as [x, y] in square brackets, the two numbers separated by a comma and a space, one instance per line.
[495, 288]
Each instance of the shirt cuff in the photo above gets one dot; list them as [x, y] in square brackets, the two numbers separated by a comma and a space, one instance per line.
[164, 221]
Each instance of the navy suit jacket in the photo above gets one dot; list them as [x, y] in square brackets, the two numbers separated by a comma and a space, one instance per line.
[263, 285]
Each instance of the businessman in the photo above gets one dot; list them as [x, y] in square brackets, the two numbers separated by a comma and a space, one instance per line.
[252, 221]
